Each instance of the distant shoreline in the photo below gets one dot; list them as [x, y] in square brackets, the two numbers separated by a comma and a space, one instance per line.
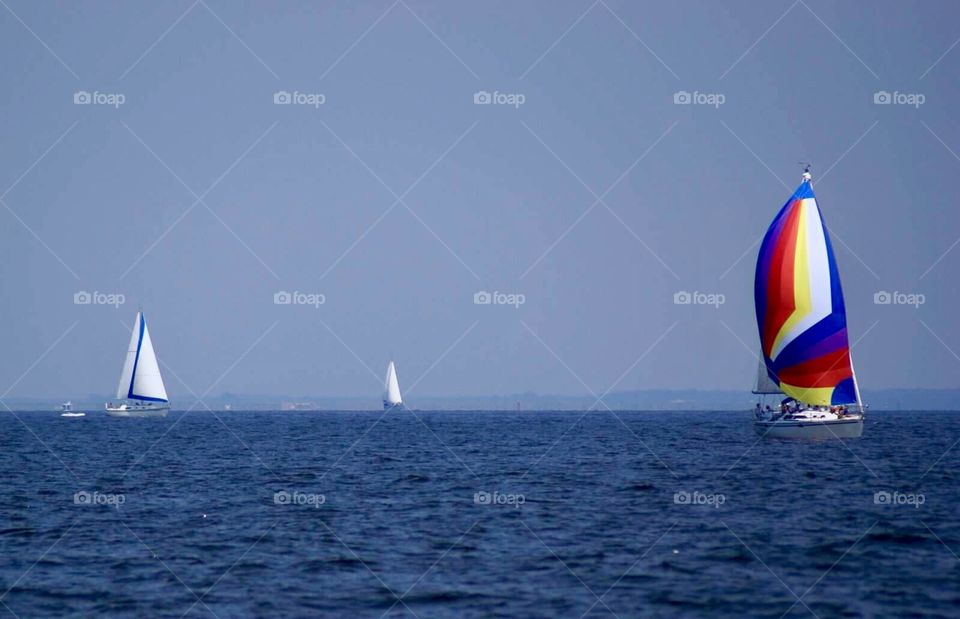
[640, 400]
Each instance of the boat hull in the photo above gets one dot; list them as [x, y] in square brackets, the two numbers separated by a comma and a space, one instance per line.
[138, 411]
[811, 429]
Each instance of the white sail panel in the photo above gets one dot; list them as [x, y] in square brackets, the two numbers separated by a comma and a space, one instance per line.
[391, 395]
[123, 389]
[764, 384]
[147, 382]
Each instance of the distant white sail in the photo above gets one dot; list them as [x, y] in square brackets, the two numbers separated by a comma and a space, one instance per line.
[764, 384]
[140, 378]
[391, 395]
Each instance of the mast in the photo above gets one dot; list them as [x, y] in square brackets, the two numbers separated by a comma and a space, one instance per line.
[856, 385]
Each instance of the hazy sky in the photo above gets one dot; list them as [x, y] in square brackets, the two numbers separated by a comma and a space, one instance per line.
[594, 195]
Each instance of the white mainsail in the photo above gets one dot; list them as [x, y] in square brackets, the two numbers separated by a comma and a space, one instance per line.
[764, 384]
[140, 378]
[391, 395]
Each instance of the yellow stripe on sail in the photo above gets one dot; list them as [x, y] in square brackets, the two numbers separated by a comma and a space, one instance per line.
[817, 396]
[802, 296]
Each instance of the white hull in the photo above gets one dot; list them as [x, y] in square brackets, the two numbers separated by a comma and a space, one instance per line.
[811, 429]
[138, 411]
[73, 414]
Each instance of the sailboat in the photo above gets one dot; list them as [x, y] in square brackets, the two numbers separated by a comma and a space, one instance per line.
[391, 389]
[141, 392]
[802, 320]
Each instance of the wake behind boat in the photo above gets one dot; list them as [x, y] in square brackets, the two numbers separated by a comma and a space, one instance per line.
[803, 329]
[391, 389]
[141, 391]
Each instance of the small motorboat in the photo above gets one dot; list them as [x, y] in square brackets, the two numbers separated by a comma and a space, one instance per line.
[66, 410]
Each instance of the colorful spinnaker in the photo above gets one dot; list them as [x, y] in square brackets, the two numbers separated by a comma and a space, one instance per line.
[800, 309]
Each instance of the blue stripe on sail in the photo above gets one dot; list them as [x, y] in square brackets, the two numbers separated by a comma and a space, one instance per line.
[798, 351]
[804, 191]
[844, 393]
[136, 360]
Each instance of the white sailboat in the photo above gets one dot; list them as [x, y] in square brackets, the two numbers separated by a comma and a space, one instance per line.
[391, 389]
[802, 319]
[141, 392]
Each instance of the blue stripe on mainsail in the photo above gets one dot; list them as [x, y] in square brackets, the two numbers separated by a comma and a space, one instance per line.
[136, 360]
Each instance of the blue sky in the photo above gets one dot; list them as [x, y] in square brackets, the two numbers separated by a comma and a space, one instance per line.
[587, 187]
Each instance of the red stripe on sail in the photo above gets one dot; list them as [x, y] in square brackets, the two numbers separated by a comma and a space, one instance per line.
[827, 370]
[781, 301]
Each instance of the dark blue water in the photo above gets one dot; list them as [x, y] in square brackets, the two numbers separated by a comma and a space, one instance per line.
[182, 516]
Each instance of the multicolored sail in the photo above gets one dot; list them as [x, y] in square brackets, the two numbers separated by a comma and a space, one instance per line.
[800, 310]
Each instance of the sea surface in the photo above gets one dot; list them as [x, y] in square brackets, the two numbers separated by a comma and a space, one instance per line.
[475, 514]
